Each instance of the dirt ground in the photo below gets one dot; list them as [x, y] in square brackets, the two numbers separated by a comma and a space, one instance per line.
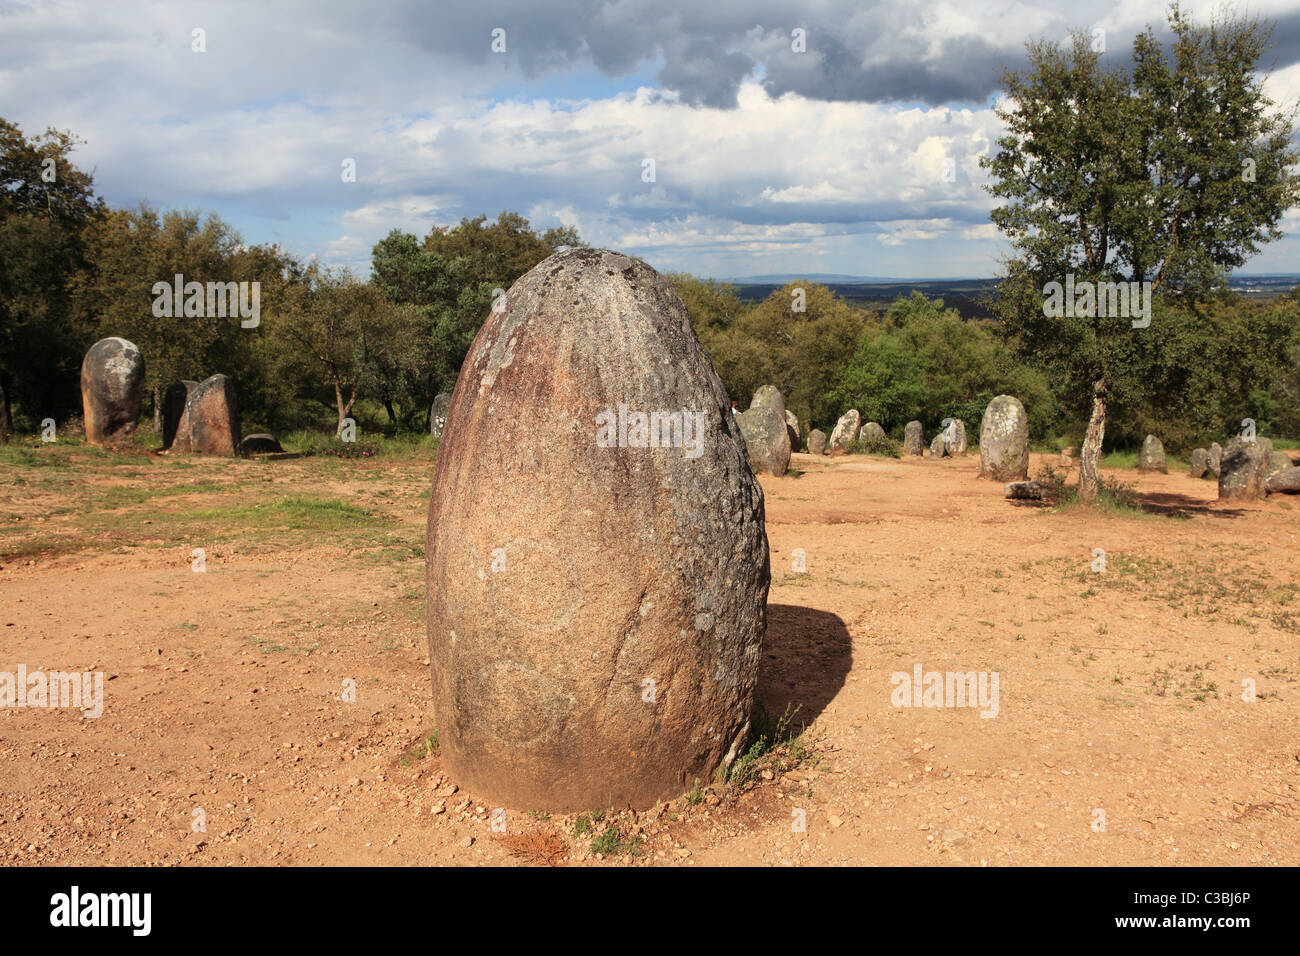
[1121, 734]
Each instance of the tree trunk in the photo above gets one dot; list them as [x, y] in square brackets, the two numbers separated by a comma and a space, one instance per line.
[157, 409]
[1090, 454]
[343, 408]
[392, 415]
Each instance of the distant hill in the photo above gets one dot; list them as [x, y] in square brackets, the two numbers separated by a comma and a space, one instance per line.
[970, 297]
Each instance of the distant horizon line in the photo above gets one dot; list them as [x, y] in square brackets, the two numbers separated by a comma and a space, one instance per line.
[781, 278]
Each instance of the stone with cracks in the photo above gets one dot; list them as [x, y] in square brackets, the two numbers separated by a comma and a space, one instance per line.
[1004, 440]
[1199, 465]
[597, 598]
[1244, 469]
[845, 431]
[213, 413]
[913, 440]
[112, 386]
[816, 442]
[1152, 456]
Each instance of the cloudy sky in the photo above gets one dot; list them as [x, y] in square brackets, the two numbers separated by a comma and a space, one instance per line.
[765, 160]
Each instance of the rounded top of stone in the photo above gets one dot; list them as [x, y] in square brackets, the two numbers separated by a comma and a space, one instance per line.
[116, 342]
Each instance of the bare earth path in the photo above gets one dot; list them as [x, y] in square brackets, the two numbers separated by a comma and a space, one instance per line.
[1120, 691]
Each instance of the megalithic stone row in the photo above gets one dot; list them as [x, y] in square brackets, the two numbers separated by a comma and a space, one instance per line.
[598, 579]
[112, 387]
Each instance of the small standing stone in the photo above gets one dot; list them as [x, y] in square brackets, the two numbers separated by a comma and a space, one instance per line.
[1200, 463]
[846, 431]
[438, 414]
[913, 443]
[1214, 459]
[792, 426]
[213, 412]
[816, 442]
[873, 432]
[1004, 440]
[1153, 455]
[1244, 468]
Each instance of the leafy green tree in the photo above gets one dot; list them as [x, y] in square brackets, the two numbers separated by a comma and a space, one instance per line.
[794, 339]
[1170, 173]
[450, 278]
[337, 330]
[925, 362]
[45, 204]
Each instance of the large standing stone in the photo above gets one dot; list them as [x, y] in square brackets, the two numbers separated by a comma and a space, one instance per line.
[913, 440]
[1287, 480]
[1004, 440]
[767, 440]
[1152, 457]
[816, 442]
[112, 385]
[872, 431]
[845, 431]
[1199, 464]
[1214, 459]
[596, 598]
[792, 426]
[213, 413]
[438, 414]
[1244, 469]
[176, 426]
